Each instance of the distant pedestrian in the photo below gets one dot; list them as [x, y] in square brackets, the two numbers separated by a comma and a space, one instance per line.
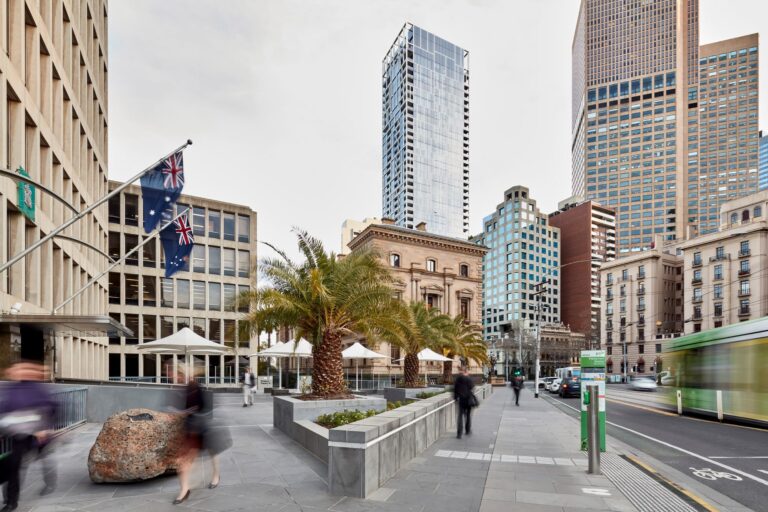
[248, 381]
[27, 411]
[517, 385]
[465, 398]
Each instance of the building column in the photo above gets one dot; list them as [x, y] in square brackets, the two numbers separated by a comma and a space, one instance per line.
[158, 368]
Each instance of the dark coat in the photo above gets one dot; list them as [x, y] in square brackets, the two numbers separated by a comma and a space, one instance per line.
[462, 390]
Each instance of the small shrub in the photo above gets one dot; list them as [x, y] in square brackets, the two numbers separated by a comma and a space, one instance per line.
[344, 417]
[427, 395]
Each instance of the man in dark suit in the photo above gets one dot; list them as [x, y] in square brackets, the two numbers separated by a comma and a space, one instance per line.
[463, 394]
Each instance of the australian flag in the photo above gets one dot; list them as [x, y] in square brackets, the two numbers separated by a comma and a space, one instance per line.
[160, 188]
[177, 242]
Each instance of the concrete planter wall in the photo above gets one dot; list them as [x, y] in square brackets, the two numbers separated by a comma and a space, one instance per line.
[363, 455]
[296, 418]
[401, 394]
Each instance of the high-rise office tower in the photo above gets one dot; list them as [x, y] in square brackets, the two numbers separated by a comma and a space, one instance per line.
[633, 62]
[425, 133]
[762, 163]
[523, 259]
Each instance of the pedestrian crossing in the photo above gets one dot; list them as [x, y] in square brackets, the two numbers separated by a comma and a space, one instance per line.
[514, 459]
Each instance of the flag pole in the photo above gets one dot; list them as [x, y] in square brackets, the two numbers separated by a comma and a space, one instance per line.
[88, 210]
[117, 262]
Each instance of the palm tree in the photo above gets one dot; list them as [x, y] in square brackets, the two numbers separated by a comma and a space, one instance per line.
[424, 328]
[465, 341]
[324, 299]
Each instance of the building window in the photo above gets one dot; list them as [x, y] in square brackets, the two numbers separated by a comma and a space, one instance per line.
[744, 307]
[431, 265]
[214, 260]
[758, 211]
[114, 288]
[182, 322]
[149, 254]
[198, 258]
[132, 323]
[243, 228]
[697, 258]
[464, 270]
[198, 294]
[745, 216]
[744, 248]
[433, 301]
[641, 348]
[198, 326]
[641, 272]
[624, 275]
[720, 252]
[114, 245]
[166, 326]
[230, 296]
[718, 309]
[214, 330]
[229, 226]
[734, 218]
[609, 279]
[166, 291]
[214, 224]
[242, 293]
[131, 209]
[131, 241]
[697, 294]
[214, 296]
[464, 312]
[182, 293]
[394, 260]
[243, 263]
[114, 209]
[149, 326]
[744, 267]
[228, 261]
[131, 289]
[394, 353]
[744, 288]
[149, 291]
[718, 271]
[198, 221]
[717, 291]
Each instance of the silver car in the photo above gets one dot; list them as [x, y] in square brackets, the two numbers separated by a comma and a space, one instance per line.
[643, 384]
[554, 386]
[547, 382]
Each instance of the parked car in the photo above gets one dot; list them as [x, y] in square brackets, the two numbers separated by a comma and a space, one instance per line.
[643, 383]
[554, 386]
[570, 387]
[548, 382]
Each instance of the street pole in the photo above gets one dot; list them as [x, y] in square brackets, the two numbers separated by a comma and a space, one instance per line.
[539, 290]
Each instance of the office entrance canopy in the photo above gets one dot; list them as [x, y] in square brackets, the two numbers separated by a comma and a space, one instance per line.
[69, 325]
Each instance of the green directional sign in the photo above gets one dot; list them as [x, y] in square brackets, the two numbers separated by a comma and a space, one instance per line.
[26, 196]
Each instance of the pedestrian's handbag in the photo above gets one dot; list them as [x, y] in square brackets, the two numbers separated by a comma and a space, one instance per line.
[473, 400]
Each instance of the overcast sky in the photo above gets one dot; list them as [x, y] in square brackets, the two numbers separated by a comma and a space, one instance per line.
[282, 98]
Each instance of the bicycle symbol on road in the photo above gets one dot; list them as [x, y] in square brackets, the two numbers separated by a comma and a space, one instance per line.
[711, 474]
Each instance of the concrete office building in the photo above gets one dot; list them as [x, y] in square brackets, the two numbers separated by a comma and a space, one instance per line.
[723, 118]
[724, 278]
[524, 252]
[53, 124]
[444, 272]
[587, 239]
[351, 228]
[762, 162]
[425, 133]
[632, 64]
[222, 266]
[642, 307]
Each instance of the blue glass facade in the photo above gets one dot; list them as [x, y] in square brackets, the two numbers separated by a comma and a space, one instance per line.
[763, 162]
[425, 133]
[523, 251]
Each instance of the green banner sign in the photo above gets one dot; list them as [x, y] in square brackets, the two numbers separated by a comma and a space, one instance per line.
[26, 196]
[592, 359]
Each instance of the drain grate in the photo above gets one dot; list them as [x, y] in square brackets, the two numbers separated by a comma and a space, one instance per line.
[647, 494]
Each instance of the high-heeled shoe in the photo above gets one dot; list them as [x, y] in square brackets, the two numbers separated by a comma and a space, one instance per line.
[214, 485]
[181, 500]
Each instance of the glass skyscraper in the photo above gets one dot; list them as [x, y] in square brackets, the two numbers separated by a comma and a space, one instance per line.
[524, 253]
[763, 162]
[425, 133]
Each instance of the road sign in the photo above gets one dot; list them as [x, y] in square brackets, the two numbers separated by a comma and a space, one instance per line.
[26, 196]
[592, 370]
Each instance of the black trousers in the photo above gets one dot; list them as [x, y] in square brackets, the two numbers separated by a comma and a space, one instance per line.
[517, 395]
[464, 418]
[12, 468]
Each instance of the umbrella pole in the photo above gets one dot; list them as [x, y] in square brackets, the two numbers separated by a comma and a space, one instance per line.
[357, 375]
[298, 373]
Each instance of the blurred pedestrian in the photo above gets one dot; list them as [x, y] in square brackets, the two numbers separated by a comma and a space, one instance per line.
[27, 412]
[199, 435]
[248, 381]
[517, 386]
[465, 398]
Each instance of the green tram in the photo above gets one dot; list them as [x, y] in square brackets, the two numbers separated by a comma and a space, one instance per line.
[731, 359]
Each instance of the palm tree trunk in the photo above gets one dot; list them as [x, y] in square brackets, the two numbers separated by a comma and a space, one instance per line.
[327, 367]
[447, 372]
[411, 371]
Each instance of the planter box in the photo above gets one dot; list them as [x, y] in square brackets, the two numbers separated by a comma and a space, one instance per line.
[401, 394]
[363, 455]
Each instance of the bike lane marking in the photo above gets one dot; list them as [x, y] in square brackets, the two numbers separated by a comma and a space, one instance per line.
[682, 450]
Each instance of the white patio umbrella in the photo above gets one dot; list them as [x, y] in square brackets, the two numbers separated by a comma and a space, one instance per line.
[430, 355]
[356, 351]
[183, 342]
[276, 350]
[298, 349]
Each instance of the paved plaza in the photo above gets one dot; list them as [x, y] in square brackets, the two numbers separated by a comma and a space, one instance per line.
[517, 458]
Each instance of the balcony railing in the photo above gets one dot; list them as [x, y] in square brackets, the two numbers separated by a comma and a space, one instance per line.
[720, 257]
[641, 291]
[744, 253]
[641, 307]
[696, 300]
[744, 311]
[696, 280]
[744, 293]
[744, 272]
[718, 277]
[696, 262]
[641, 275]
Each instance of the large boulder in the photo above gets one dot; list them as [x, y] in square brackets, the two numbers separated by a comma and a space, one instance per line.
[136, 444]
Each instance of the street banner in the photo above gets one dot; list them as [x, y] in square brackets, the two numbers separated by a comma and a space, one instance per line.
[26, 196]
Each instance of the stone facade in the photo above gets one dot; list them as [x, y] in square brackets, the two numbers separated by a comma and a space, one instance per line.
[444, 272]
